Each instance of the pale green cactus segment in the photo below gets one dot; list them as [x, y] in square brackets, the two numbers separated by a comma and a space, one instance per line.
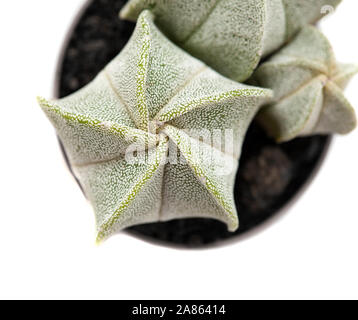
[89, 140]
[344, 73]
[310, 49]
[274, 28]
[112, 223]
[295, 114]
[337, 113]
[225, 34]
[231, 36]
[308, 84]
[171, 112]
[219, 186]
[139, 136]
[302, 12]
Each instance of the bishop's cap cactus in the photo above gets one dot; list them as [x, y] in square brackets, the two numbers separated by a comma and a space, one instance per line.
[231, 36]
[308, 84]
[151, 99]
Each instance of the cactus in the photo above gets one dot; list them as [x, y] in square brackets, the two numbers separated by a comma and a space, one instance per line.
[231, 36]
[139, 136]
[308, 85]
[157, 135]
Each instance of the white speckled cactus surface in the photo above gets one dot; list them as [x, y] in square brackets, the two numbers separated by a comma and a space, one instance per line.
[308, 85]
[230, 35]
[157, 135]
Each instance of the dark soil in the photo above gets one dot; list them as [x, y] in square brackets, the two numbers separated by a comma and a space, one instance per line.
[270, 175]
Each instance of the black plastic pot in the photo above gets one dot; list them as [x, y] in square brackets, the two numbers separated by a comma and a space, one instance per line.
[270, 177]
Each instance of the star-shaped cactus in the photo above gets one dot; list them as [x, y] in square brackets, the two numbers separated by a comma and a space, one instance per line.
[140, 137]
[231, 36]
[308, 84]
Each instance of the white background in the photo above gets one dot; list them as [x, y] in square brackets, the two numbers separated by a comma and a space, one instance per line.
[47, 230]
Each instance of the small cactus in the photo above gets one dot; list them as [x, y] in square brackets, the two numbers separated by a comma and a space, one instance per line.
[308, 84]
[231, 36]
